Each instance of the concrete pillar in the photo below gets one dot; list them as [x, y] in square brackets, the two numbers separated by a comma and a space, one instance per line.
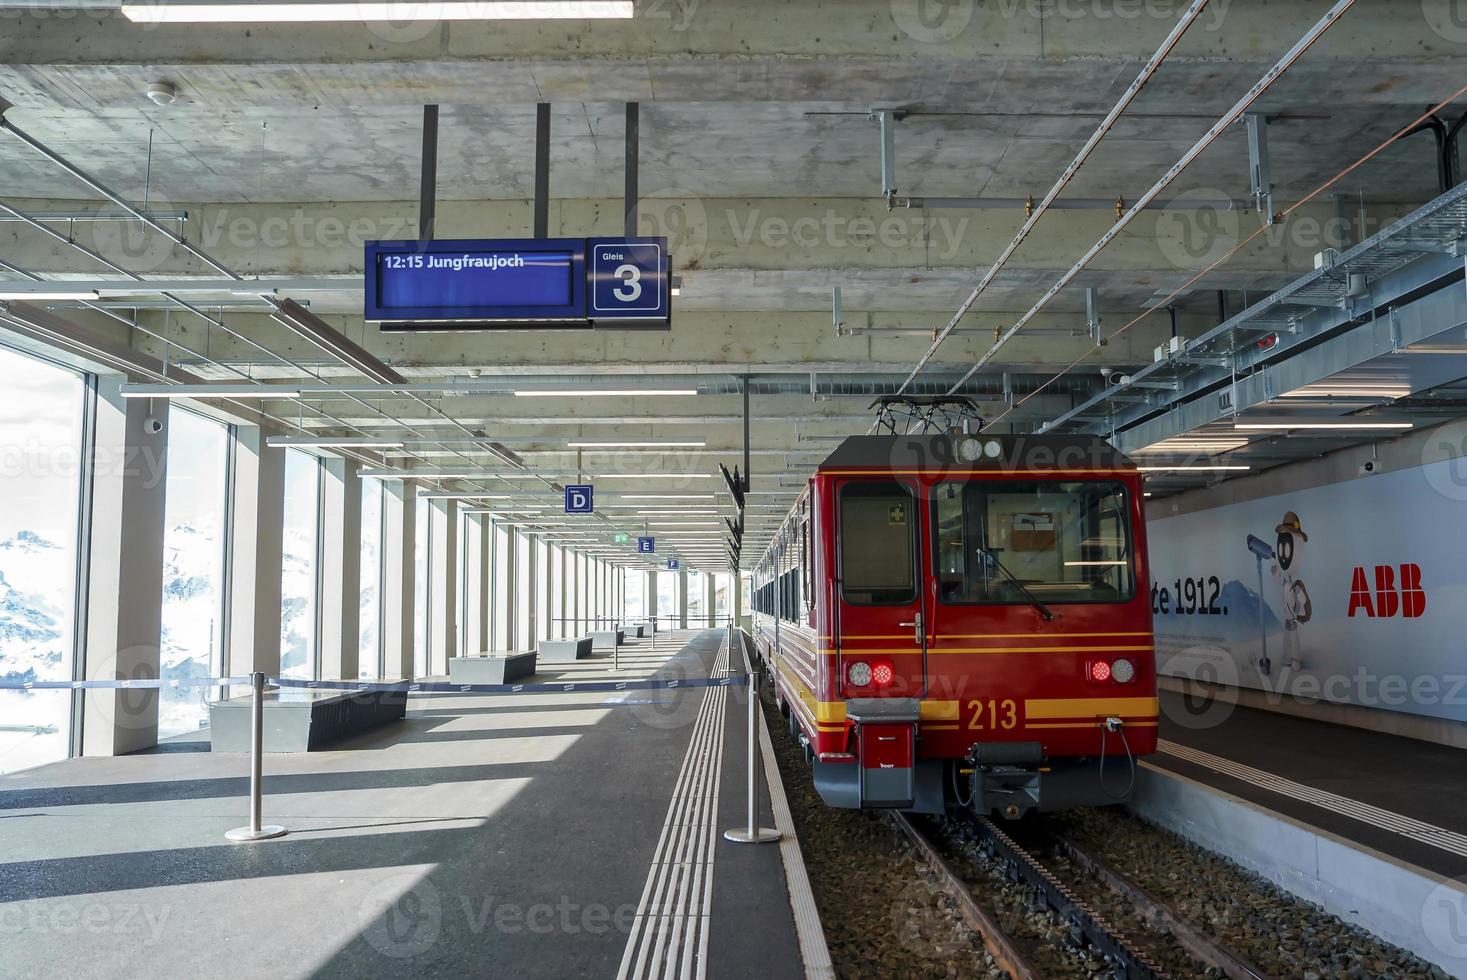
[399, 576]
[257, 516]
[341, 569]
[479, 526]
[579, 606]
[532, 597]
[682, 598]
[442, 585]
[710, 611]
[547, 582]
[125, 571]
[652, 609]
[506, 589]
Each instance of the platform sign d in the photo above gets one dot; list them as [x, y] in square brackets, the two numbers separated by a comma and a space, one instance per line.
[628, 279]
[646, 546]
[673, 564]
[580, 499]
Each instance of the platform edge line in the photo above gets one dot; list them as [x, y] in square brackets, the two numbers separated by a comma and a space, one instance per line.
[808, 930]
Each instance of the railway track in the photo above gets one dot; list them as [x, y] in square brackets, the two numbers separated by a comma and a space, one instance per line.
[1129, 956]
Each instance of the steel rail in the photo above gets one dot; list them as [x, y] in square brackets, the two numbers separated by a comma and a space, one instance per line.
[1208, 138]
[1124, 103]
[1086, 922]
[1000, 946]
[1202, 947]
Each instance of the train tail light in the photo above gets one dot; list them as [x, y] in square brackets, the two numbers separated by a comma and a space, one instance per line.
[1119, 671]
[870, 674]
[882, 673]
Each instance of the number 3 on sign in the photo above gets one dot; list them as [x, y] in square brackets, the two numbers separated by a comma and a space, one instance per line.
[631, 287]
[1000, 714]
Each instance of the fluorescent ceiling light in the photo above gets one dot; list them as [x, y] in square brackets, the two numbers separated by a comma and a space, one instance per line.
[464, 496]
[666, 496]
[1089, 564]
[684, 524]
[57, 294]
[637, 445]
[1179, 469]
[603, 392]
[362, 11]
[654, 476]
[208, 391]
[1323, 425]
[339, 442]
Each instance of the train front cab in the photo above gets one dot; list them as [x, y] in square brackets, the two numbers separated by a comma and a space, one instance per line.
[988, 640]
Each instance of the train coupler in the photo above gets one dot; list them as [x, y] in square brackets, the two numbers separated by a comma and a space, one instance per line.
[1005, 778]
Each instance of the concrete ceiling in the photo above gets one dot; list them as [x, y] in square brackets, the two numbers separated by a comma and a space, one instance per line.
[289, 145]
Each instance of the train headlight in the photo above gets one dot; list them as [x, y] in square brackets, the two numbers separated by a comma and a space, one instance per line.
[993, 449]
[1123, 671]
[859, 674]
[970, 450]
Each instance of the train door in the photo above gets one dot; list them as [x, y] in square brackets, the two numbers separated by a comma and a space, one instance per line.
[880, 597]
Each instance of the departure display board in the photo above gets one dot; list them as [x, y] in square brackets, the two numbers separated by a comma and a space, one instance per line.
[517, 283]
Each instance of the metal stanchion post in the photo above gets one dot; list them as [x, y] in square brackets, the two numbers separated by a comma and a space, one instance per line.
[753, 833]
[257, 770]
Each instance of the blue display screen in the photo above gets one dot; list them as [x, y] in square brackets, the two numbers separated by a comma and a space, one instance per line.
[466, 284]
[482, 280]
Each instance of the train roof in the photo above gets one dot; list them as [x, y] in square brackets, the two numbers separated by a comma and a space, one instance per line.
[1014, 452]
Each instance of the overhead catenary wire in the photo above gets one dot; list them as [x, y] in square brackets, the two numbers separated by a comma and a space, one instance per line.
[1162, 52]
[1244, 243]
[1266, 82]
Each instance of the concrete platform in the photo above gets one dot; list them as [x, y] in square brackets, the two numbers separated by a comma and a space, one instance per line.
[492, 668]
[483, 836]
[301, 720]
[563, 651]
[608, 639]
[1401, 797]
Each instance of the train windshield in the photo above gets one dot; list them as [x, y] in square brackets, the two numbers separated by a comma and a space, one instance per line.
[1010, 542]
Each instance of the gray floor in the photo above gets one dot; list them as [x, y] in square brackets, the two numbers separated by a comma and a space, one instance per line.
[484, 837]
[1406, 776]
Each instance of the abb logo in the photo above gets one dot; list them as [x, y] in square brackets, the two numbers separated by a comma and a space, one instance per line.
[1389, 598]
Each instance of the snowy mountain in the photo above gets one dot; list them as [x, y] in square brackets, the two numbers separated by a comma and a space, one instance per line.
[35, 636]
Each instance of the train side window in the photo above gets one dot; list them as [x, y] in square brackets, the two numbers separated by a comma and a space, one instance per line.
[878, 530]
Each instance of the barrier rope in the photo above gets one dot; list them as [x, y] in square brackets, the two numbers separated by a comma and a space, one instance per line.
[409, 687]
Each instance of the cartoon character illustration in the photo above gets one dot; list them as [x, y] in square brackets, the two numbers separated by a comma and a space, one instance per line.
[1285, 554]
[1288, 554]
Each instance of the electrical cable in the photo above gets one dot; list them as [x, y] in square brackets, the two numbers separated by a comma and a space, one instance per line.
[1330, 18]
[1263, 229]
[1124, 103]
[1104, 732]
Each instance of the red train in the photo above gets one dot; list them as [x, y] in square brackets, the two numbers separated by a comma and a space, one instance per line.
[964, 620]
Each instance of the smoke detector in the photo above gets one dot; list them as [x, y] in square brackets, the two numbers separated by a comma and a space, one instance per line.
[162, 93]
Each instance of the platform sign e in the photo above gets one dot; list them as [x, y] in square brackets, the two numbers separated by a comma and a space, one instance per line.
[628, 278]
[646, 546]
[580, 499]
[673, 564]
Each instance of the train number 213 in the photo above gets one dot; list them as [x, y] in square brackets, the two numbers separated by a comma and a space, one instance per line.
[993, 714]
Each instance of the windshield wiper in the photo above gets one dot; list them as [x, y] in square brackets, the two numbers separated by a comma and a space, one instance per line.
[1034, 600]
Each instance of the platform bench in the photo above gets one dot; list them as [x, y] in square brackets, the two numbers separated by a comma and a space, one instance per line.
[492, 668]
[302, 720]
[565, 651]
[638, 630]
[607, 639]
